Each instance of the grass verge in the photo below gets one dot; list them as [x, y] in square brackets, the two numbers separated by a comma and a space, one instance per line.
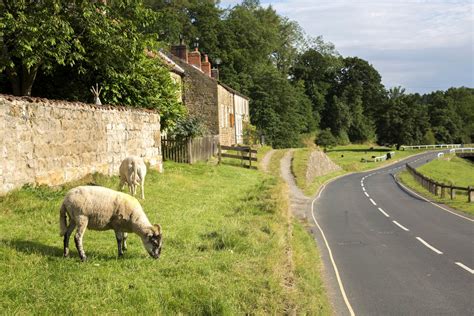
[225, 251]
[443, 171]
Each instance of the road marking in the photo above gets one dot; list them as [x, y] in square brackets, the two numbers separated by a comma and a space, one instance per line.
[401, 226]
[465, 267]
[383, 212]
[429, 246]
[373, 202]
[363, 188]
[366, 194]
[439, 206]
[339, 281]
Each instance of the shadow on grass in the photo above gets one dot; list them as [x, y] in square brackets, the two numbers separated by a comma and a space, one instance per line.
[361, 150]
[32, 247]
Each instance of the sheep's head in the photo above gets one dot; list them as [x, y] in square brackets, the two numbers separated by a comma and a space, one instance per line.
[153, 241]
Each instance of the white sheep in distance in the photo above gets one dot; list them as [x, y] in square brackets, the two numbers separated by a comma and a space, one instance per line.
[133, 172]
[100, 208]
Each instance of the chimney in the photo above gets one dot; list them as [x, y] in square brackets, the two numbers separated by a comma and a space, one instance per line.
[194, 58]
[180, 51]
[206, 66]
[215, 73]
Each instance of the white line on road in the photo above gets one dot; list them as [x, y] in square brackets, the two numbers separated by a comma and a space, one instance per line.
[363, 188]
[401, 226]
[465, 267]
[339, 281]
[373, 202]
[383, 212]
[429, 246]
[366, 194]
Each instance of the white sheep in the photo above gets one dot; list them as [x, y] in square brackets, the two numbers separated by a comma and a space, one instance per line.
[133, 172]
[100, 208]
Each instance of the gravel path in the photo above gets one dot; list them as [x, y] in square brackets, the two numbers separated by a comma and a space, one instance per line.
[266, 160]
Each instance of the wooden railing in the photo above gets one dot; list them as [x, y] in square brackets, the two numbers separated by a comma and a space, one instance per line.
[439, 189]
[189, 150]
[243, 153]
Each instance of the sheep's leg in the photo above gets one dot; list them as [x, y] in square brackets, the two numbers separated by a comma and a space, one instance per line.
[142, 186]
[69, 230]
[124, 245]
[122, 183]
[119, 238]
[81, 228]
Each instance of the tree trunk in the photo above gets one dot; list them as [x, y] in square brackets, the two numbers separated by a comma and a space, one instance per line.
[28, 77]
[22, 80]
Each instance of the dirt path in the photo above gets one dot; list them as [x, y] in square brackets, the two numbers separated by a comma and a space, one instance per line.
[299, 203]
[266, 160]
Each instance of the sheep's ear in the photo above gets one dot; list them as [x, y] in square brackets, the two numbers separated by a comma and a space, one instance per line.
[157, 229]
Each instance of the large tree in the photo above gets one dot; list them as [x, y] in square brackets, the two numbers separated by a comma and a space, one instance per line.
[36, 35]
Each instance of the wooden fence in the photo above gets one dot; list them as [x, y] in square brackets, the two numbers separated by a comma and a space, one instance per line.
[439, 189]
[189, 150]
[243, 153]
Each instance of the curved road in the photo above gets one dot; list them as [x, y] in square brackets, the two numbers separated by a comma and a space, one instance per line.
[396, 254]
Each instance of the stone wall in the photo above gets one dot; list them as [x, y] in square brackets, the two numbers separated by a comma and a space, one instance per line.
[53, 142]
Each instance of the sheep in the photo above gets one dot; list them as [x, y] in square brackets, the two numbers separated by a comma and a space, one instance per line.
[133, 172]
[100, 208]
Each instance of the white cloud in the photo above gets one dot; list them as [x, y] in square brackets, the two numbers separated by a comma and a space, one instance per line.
[412, 43]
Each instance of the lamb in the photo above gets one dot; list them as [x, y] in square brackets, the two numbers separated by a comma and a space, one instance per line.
[133, 172]
[100, 208]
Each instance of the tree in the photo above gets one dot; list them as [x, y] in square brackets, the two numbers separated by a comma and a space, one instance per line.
[326, 139]
[91, 43]
[36, 35]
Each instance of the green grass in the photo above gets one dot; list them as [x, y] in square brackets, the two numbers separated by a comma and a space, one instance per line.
[349, 158]
[225, 244]
[454, 171]
[450, 170]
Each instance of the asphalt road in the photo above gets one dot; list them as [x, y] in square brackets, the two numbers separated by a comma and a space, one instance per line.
[395, 253]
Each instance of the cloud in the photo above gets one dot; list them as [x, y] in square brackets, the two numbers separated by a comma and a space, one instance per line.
[421, 45]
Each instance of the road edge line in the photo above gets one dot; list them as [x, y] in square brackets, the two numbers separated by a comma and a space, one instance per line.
[336, 271]
[425, 199]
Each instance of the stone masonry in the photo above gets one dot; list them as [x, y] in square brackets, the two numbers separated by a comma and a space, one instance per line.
[52, 142]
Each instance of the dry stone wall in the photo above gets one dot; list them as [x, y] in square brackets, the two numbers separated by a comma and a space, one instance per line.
[53, 142]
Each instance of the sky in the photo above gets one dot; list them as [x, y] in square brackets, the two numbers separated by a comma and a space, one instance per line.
[421, 45]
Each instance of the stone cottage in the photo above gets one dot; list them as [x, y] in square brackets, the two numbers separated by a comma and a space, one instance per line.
[223, 110]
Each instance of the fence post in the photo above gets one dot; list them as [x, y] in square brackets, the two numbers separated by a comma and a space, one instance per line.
[189, 147]
[453, 193]
[219, 153]
[250, 157]
[470, 198]
[443, 192]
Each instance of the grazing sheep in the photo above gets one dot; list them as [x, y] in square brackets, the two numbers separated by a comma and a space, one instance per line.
[133, 172]
[100, 208]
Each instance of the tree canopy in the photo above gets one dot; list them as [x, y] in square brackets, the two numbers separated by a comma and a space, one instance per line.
[297, 84]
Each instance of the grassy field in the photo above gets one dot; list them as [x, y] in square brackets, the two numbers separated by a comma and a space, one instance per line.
[349, 158]
[450, 170]
[227, 236]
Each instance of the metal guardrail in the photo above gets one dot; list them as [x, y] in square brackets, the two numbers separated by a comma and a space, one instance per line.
[385, 157]
[403, 147]
[461, 150]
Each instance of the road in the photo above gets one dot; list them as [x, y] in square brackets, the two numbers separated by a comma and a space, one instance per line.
[393, 253]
